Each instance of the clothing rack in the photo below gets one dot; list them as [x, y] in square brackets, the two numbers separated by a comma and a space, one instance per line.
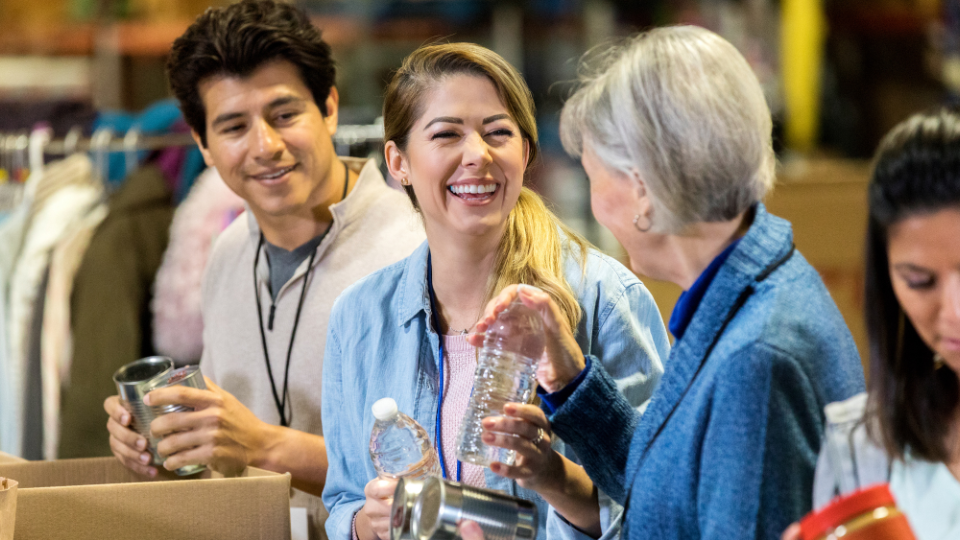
[110, 144]
[25, 151]
[133, 140]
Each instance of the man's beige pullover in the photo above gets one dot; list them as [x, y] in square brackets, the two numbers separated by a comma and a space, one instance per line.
[373, 227]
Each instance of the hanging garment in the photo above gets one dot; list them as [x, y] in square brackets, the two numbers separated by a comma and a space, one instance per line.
[109, 306]
[12, 231]
[59, 214]
[53, 202]
[181, 164]
[154, 120]
[177, 322]
[56, 345]
[32, 445]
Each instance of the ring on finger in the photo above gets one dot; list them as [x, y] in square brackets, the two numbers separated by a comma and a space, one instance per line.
[539, 438]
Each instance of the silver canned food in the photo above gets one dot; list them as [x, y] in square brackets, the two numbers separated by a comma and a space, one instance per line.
[404, 498]
[442, 504]
[133, 382]
[136, 379]
[188, 376]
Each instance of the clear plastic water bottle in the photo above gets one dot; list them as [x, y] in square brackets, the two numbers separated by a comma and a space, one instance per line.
[399, 446]
[506, 372]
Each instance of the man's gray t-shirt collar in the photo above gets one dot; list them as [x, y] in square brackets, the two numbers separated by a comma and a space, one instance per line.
[283, 264]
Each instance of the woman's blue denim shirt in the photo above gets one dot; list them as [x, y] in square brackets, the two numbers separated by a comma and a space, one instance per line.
[380, 343]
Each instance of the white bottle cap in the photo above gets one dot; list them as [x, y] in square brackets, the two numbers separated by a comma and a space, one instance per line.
[385, 409]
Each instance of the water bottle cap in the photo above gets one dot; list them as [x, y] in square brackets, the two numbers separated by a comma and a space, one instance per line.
[385, 409]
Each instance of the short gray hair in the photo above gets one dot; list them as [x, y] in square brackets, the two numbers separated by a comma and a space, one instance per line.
[682, 108]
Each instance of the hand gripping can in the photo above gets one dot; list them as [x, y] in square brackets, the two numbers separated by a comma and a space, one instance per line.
[132, 392]
[132, 381]
[442, 505]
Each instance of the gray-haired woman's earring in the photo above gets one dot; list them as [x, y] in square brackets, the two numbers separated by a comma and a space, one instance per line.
[636, 223]
[937, 361]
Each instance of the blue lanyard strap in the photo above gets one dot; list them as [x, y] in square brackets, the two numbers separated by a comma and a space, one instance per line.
[436, 325]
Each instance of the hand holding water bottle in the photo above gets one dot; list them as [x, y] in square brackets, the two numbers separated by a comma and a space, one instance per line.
[525, 430]
[373, 520]
[562, 359]
[399, 447]
[518, 331]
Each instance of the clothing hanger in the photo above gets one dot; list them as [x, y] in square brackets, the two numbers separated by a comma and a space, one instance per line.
[100, 146]
[71, 142]
[4, 166]
[21, 146]
[39, 138]
[130, 142]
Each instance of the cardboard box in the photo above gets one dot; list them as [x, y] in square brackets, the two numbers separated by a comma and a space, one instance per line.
[8, 508]
[98, 498]
[7, 458]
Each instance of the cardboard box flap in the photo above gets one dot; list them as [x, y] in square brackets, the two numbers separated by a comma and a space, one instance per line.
[157, 511]
[8, 508]
[7, 458]
[93, 499]
[91, 471]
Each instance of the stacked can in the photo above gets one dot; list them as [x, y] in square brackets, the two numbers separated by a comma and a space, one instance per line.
[136, 379]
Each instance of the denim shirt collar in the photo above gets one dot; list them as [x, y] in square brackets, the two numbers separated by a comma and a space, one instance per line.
[413, 295]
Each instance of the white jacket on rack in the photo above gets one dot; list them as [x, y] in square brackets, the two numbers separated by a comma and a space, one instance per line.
[56, 200]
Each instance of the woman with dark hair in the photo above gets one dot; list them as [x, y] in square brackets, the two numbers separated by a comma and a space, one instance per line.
[905, 430]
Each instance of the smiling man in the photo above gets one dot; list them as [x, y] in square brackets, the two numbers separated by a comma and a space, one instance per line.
[255, 82]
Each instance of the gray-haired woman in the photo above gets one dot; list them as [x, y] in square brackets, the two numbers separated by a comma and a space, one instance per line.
[675, 136]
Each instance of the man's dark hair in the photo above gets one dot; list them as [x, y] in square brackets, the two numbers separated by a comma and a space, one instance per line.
[238, 39]
[916, 172]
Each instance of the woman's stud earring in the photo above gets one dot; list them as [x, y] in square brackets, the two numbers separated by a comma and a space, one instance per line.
[938, 361]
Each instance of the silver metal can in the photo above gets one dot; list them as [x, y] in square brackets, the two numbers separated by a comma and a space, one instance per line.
[188, 376]
[442, 504]
[133, 382]
[136, 379]
[404, 498]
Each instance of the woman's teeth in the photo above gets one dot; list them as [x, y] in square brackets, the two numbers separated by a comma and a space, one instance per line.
[473, 188]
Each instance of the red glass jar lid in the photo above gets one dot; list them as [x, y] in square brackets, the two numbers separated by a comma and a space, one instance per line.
[843, 509]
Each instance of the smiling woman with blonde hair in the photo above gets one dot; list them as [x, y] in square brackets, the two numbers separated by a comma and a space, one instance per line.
[460, 135]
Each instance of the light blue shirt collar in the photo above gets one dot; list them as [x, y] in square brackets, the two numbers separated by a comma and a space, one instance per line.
[413, 295]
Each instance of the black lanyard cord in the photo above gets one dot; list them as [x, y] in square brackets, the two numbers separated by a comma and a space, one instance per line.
[281, 402]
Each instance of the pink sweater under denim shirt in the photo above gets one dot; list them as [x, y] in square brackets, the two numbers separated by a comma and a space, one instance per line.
[460, 363]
